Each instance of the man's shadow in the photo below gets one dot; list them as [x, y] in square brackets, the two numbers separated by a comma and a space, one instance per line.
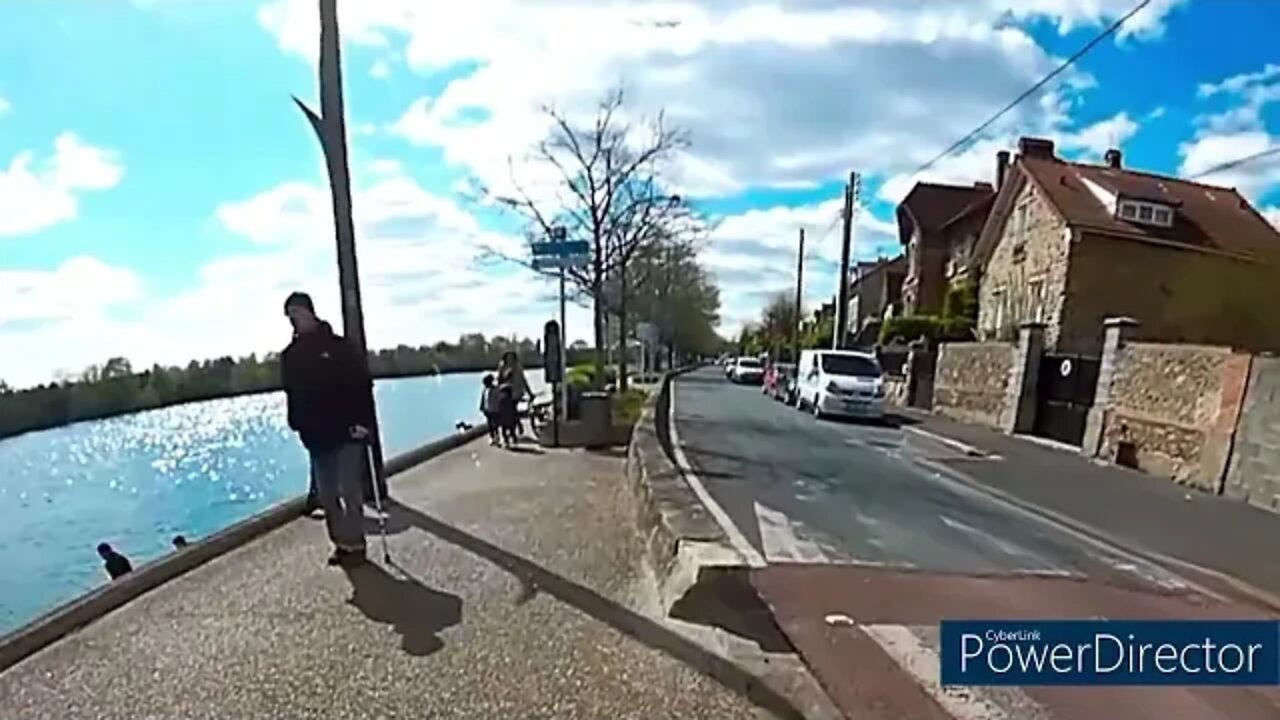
[417, 612]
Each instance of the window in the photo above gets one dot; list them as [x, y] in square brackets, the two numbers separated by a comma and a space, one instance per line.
[850, 366]
[1145, 212]
[1035, 301]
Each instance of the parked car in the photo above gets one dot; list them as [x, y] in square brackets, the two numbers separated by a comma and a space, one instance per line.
[778, 381]
[746, 370]
[840, 382]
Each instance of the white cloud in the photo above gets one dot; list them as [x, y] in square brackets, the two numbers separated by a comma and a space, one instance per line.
[5, 107]
[36, 193]
[418, 267]
[753, 255]
[1236, 132]
[380, 69]
[784, 98]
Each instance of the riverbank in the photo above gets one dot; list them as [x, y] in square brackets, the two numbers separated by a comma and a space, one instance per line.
[514, 592]
[137, 480]
[49, 407]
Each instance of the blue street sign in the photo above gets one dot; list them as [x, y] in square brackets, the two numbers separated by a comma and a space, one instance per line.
[553, 262]
[551, 249]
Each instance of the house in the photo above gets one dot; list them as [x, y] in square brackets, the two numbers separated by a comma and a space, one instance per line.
[1071, 244]
[939, 225]
[874, 293]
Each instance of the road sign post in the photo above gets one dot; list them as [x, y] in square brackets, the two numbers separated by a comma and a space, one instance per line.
[561, 255]
[553, 372]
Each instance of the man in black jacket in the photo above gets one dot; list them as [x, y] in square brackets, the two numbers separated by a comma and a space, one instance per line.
[330, 399]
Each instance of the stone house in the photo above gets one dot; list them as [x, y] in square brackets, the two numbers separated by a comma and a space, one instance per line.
[1071, 244]
[939, 227]
[874, 293]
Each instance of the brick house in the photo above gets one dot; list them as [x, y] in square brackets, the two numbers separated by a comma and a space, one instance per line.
[874, 292]
[939, 226]
[1070, 244]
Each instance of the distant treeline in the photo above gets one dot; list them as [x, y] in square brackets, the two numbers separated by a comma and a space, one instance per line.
[116, 388]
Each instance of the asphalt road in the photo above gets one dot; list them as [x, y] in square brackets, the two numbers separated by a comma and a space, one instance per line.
[805, 490]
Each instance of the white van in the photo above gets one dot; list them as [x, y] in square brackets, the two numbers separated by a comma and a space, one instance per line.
[840, 382]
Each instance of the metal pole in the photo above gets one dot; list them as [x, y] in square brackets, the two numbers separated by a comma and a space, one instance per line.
[842, 283]
[331, 129]
[795, 334]
[564, 355]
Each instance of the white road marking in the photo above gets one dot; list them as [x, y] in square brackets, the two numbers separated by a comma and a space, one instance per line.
[952, 443]
[781, 544]
[736, 538]
[1004, 546]
[922, 663]
[1069, 527]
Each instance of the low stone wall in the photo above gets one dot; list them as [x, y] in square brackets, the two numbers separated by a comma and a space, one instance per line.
[971, 381]
[895, 390]
[1172, 410]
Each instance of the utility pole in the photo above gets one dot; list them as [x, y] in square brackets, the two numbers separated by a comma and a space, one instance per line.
[846, 247]
[795, 333]
[331, 129]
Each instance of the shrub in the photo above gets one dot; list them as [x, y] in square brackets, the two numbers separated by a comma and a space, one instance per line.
[627, 406]
[961, 301]
[908, 328]
[584, 374]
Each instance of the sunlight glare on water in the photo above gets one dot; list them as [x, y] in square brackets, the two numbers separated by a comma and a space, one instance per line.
[138, 480]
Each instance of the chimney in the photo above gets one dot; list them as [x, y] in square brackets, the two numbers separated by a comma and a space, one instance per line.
[1113, 158]
[1040, 148]
[1002, 167]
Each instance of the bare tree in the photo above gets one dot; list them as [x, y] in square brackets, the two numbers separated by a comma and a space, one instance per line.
[610, 193]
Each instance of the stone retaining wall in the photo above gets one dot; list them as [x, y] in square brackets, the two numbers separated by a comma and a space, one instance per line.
[971, 381]
[1172, 410]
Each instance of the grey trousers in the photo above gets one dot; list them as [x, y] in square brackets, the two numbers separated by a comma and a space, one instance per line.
[336, 474]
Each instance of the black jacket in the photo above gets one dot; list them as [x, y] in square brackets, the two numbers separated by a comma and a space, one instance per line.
[328, 388]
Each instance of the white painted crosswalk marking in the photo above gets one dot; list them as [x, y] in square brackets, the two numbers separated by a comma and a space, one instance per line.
[780, 540]
[922, 663]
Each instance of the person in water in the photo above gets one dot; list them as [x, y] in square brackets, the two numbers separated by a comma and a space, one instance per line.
[329, 396]
[116, 564]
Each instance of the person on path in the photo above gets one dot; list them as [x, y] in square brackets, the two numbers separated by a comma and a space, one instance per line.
[508, 414]
[116, 564]
[330, 404]
[511, 373]
[491, 405]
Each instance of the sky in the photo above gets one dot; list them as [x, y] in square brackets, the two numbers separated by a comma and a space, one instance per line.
[160, 194]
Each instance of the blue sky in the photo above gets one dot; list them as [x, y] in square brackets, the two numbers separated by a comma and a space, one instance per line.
[159, 193]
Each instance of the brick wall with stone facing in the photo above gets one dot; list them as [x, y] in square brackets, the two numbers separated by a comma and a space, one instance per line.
[1170, 410]
[971, 381]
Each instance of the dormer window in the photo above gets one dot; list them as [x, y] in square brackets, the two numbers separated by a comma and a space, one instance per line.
[1145, 212]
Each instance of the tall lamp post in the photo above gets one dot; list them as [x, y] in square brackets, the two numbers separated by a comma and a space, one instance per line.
[331, 129]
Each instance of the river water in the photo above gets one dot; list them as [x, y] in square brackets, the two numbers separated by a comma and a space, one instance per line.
[138, 480]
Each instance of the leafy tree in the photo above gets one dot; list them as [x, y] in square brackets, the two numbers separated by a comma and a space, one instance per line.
[609, 193]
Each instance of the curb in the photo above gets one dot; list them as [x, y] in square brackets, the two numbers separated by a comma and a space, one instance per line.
[75, 614]
[680, 536]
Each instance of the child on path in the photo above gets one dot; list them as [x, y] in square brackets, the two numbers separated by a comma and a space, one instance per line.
[491, 405]
[507, 414]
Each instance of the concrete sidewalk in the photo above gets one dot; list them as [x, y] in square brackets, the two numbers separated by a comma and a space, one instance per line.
[1138, 511]
[511, 594]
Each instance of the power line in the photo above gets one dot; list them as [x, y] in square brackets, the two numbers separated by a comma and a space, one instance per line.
[1232, 164]
[1111, 29]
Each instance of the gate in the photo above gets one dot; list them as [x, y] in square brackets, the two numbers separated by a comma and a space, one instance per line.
[1064, 394]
